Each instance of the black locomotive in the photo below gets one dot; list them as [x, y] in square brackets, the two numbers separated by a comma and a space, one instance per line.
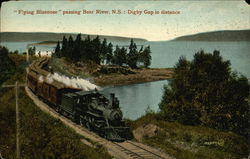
[88, 108]
[96, 112]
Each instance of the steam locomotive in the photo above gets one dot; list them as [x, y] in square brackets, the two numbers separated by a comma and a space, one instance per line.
[90, 109]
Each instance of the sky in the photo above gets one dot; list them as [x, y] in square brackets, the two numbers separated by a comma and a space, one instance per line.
[193, 17]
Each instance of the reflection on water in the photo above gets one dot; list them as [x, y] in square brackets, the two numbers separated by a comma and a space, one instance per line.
[134, 99]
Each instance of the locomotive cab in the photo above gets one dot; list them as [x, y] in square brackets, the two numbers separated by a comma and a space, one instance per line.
[97, 113]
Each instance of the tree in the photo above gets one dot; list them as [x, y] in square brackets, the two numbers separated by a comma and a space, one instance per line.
[58, 50]
[109, 54]
[119, 56]
[32, 51]
[145, 57]
[87, 48]
[7, 65]
[82, 55]
[15, 52]
[132, 57]
[69, 48]
[204, 91]
[116, 53]
[64, 46]
[76, 51]
[95, 50]
[104, 50]
[123, 56]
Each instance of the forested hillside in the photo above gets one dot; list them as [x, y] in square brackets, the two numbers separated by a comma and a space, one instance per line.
[230, 35]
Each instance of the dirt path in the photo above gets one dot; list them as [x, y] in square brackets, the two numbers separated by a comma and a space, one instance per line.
[124, 150]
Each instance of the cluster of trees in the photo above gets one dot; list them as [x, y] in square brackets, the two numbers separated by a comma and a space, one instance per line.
[204, 91]
[32, 50]
[7, 65]
[99, 51]
[133, 57]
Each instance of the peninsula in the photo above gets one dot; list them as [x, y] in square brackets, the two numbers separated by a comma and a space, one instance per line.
[223, 35]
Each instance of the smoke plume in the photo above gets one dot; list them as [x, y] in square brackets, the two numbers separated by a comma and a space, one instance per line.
[71, 82]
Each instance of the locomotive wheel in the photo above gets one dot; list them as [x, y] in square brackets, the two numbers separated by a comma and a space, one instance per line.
[87, 125]
[76, 118]
[82, 122]
[57, 108]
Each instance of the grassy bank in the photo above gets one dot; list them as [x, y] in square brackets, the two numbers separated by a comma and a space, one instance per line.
[140, 76]
[192, 142]
[109, 75]
[41, 136]
[67, 68]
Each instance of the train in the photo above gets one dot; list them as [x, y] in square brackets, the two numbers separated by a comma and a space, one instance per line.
[91, 109]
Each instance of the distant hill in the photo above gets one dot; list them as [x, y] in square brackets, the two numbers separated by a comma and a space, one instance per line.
[46, 36]
[227, 35]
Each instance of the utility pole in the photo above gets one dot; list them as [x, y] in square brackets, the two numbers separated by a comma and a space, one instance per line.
[16, 86]
[27, 52]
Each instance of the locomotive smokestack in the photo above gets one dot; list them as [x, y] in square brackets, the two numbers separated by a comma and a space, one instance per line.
[112, 98]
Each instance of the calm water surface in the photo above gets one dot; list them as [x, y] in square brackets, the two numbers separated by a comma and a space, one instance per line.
[166, 54]
[134, 99]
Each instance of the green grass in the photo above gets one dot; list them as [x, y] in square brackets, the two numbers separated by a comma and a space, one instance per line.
[193, 142]
[62, 66]
[42, 136]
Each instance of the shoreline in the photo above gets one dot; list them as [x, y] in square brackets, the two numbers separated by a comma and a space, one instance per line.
[140, 76]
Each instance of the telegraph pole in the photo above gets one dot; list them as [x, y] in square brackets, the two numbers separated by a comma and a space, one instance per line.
[27, 52]
[17, 124]
[16, 86]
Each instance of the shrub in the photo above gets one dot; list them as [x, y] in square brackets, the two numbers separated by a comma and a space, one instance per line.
[204, 91]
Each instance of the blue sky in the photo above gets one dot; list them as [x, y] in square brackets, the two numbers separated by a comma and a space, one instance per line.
[194, 17]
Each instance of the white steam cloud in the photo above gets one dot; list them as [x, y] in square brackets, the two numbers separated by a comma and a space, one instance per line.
[72, 82]
[40, 79]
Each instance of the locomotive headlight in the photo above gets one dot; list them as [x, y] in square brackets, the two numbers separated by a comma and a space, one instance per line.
[114, 115]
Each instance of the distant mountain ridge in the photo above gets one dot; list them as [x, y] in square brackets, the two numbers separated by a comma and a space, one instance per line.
[47, 36]
[224, 35]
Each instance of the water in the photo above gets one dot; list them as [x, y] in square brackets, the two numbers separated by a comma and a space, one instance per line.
[166, 54]
[134, 99]
[22, 46]
[19, 46]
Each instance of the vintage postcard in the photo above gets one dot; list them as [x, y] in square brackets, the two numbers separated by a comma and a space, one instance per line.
[124, 79]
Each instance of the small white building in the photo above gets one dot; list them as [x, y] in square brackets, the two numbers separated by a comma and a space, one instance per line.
[43, 53]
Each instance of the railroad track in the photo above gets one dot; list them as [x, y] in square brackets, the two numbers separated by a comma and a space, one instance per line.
[119, 150]
[136, 151]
